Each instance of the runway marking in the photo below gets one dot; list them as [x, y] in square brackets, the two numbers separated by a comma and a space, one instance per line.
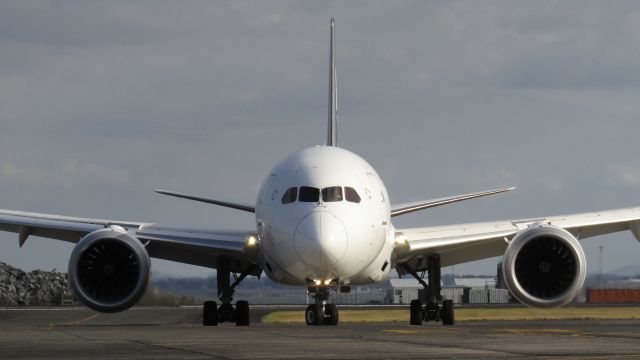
[403, 331]
[410, 331]
[529, 331]
[422, 330]
[77, 322]
[81, 321]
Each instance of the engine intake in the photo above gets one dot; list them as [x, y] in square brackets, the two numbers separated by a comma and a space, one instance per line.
[544, 266]
[109, 270]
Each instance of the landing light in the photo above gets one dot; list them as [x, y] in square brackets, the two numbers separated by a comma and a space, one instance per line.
[251, 246]
[318, 282]
[401, 239]
[252, 241]
[327, 282]
[402, 246]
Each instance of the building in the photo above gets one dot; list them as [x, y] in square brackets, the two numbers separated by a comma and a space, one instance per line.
[476, 282]
[467, 290]
[404, 290]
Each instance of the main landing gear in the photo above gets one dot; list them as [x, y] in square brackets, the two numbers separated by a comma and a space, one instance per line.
[321, 313]
[212, 314]
[435, 308]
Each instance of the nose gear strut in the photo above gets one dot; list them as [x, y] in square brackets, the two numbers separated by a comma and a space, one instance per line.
[436, 309]
[321, 313]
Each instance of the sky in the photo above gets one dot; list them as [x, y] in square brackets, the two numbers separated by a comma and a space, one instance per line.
[101, 102]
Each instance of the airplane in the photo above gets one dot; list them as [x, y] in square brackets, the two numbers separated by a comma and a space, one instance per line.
[323, 221]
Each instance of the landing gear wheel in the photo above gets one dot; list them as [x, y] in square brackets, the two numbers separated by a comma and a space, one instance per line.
[331, 314]
[447, 313]
[210, 313]
[313, 315]
[242, 313]
[415, 312]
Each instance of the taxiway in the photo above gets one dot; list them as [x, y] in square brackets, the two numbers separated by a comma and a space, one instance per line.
[167, 333]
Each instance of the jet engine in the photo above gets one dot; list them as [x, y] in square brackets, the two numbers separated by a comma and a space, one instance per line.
[544, 266]
[109, 270]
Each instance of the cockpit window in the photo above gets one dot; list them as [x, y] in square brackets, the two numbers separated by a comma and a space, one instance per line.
[290, 195]
[309, 194]
[332, 194]
[351, 194]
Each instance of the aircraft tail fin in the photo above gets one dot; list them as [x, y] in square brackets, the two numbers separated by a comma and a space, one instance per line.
[332, 128]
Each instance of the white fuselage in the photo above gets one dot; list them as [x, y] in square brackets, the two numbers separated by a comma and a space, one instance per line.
[308, 235]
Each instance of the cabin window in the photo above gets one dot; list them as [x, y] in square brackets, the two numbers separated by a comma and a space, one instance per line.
[351, 195]
[290, 195]
[309, 194]
[332, 194]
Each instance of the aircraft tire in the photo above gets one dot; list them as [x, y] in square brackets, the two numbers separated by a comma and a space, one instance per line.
[313, 315]
[415, 312]
[210, 313]
[331, 314]
[447, 313]
[242, 313]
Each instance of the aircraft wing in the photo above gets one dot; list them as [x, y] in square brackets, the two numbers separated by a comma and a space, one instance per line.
[468, 242]
[401, 209]
[191, 246]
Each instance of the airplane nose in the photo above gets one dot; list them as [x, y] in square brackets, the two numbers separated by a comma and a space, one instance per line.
[321, 239]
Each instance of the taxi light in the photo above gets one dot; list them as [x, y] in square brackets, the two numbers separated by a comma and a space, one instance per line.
[318, 282]
[252, 241]
[327, 282]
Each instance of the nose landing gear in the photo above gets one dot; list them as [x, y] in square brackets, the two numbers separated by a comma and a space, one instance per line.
[436, 309]
[321, 313]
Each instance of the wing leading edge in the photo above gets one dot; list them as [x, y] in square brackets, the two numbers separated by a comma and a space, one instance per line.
[200, 247]
[234, 205]
[406, 208]
[468, 242]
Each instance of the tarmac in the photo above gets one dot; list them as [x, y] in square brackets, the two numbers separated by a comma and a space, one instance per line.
[170, 333]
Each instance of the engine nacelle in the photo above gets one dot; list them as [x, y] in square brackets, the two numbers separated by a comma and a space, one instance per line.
[544, 266]
[109, 270]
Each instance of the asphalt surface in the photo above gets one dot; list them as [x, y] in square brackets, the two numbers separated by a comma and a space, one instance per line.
[169, 333]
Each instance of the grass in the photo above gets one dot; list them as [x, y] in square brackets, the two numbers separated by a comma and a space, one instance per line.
[473, 314]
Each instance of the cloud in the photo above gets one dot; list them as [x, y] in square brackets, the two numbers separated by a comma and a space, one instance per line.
[489, 178]
[624, 175]
[205, 97]
[65, 174]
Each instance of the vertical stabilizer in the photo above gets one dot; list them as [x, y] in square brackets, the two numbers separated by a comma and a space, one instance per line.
[332, 128]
